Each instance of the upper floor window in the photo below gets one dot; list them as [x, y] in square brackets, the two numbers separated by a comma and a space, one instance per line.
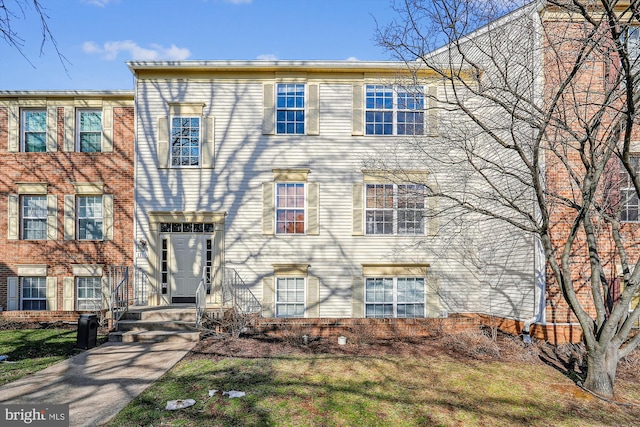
[90, 218]
[185, 141]
[290, 208]
[89, 130]
[290, 108]
[395, 297]
[394, 110]
[395, 208]
[633, 43]
[34, 217]
[630, 208]
[290, 297]
[34, 130]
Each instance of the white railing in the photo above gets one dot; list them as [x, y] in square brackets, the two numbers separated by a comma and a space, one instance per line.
[201, 294]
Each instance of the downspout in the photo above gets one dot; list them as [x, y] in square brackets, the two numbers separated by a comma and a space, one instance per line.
[539, 291]
[539, 258]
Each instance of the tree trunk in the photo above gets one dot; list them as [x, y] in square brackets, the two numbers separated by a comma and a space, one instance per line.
[601, 371]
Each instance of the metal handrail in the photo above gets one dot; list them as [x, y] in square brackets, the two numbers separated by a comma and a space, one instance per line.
[201, 295]
[237, 294]
[119, 303]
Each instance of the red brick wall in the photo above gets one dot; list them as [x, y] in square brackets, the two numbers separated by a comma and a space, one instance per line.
[375, 328]
[577, 105]
[60, 169]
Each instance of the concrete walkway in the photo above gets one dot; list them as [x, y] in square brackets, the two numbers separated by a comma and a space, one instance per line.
[99, 382]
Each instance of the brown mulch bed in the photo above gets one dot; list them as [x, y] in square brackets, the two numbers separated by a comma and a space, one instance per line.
[466, 346]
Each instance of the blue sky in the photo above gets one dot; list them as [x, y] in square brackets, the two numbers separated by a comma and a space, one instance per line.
[98, 36]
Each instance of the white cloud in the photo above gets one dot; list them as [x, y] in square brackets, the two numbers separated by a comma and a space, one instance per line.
[352, 58]
[267, 57]
[99, 3]
[110, 51]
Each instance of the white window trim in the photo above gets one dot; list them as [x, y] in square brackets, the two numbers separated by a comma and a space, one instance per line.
[394, 109]
[395, 209]
[626, 187]
[78, 218]
[23, 111]
[79, 111]
[200, 138]
[304, 297]
[395, 296]
[22, 298]
[304, 109]
[100, 286]
[305, 210]
[23, 217]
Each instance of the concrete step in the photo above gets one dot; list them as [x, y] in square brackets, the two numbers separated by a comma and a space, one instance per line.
[151, 325]
[185, 314]
[154, 336]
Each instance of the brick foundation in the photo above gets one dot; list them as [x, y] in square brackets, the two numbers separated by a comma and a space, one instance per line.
[40, 316]
[374, 328]
[553, 334]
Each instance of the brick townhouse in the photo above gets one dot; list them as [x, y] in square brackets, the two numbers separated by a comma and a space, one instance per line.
[66, 200]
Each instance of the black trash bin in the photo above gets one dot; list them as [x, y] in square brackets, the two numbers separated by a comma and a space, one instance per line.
[87, 331]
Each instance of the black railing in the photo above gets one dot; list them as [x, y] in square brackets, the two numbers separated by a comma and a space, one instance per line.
[119, 284]
[236, 294]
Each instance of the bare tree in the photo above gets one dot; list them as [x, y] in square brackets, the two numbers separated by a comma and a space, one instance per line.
[541, 120]
[16, 10]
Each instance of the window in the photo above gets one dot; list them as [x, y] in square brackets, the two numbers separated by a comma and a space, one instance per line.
[89, 131]
[34, 131]
[89, 293]
[630, 207]
[395, 297]
[186, 227]
[185, 141]
[393, 110]
[290, 108]
[395, 209]
[633, 43]
[90, 219]
[34, 217]
[290, 297]
[164, 268]
[34, 293]
[290, 201]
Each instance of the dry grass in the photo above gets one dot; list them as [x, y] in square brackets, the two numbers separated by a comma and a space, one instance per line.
[466, 379]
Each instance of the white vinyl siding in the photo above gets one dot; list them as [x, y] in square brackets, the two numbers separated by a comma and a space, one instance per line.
[243, 186]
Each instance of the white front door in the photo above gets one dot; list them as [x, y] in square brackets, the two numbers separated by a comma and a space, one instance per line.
[187, 252]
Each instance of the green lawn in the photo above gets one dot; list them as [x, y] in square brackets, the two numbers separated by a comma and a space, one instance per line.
[330, 390]
[31, 350]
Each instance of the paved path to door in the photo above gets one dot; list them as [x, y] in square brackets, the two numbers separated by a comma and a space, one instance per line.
[99, 382]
